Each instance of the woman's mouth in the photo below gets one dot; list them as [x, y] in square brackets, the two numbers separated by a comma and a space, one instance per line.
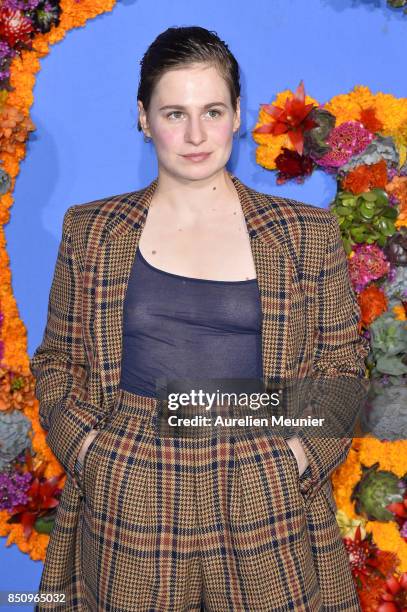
[197, 157]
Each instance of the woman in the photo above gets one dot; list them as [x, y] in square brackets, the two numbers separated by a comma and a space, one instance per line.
[195, 275]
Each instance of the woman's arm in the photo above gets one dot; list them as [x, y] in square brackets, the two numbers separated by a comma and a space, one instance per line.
[59, 363]
[339, 369]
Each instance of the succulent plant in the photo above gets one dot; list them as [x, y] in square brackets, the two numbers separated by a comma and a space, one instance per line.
[388, 341]
[382, 147]
[5, 181]
[396, 287]
[364, 218]
[375, 490]
[14, 428]
[396, 248]
[315, 138]
[385, 413]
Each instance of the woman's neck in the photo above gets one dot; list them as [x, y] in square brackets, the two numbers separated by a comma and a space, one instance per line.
[193, 198]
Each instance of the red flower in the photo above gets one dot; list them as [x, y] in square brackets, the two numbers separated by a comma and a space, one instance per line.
[43, 494]
[394, 599]
[366, 559]
[14, 27]
[291, 120]
[290, 164]
[398, 508]
[370, 121]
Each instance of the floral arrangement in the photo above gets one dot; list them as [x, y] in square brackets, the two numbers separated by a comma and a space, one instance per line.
[360, 139]
[398, 4]
[31, 478]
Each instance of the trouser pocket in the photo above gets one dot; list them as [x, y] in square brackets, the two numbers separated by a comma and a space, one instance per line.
[110, 445]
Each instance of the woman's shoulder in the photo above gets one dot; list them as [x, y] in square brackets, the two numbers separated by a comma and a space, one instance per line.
[269, 208]
[95, 215]
[306, 229]
[104, 207]
[290, 210]
[86, 223]
[300, 222]
[101, 213]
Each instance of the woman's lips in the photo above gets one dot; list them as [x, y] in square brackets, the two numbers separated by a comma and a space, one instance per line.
[197, 158]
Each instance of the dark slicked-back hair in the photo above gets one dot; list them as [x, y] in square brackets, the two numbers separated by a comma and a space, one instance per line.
[178, 47]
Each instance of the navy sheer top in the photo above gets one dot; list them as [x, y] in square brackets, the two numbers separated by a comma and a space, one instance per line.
[181, 328]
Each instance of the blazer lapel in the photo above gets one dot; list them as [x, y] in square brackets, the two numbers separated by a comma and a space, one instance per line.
[114, 261]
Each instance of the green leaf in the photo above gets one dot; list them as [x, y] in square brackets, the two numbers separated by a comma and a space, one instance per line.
[391, 365]
[368, 213]
[382, 199]
[391, 213]
[371, 205]
[369, 196]
[343, 211]
[347, 245]
[347, 195]
[386, 226]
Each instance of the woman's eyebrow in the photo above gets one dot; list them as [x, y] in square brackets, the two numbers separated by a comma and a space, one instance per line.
[184, 107]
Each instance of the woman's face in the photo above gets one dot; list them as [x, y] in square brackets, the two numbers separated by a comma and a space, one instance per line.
[190, 113]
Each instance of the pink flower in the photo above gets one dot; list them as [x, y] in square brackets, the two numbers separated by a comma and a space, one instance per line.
[367, 264]
[346, 140]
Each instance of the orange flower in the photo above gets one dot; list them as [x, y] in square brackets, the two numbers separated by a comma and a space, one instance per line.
[402, 218]
[398, 187]
[400, 312]
[15, 127]
[364, 177]
[373, 303]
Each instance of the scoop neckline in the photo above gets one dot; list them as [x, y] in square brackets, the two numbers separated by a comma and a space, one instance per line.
[192, 278]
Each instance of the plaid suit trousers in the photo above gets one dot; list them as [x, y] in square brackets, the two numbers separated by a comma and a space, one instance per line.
[204, 523]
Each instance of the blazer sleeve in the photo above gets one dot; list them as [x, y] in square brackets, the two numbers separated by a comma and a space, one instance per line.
[59, 363]
[339, 380]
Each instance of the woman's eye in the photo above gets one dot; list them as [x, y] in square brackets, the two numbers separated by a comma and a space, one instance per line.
[173, 113]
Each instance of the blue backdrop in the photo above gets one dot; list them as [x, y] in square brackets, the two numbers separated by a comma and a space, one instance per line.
[87, 146]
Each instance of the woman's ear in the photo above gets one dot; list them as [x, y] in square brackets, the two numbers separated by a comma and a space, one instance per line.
[236, 119]
[143, 118]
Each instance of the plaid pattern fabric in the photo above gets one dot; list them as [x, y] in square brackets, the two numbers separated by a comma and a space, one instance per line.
[310, 317]
[166, 520]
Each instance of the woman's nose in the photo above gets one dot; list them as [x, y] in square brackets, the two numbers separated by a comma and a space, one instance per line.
[195, 132]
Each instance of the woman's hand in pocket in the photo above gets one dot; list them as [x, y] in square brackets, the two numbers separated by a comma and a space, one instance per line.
[86, 443]
[297, 448]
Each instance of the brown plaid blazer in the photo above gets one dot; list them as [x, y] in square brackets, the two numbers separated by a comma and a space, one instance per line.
[310, 326]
